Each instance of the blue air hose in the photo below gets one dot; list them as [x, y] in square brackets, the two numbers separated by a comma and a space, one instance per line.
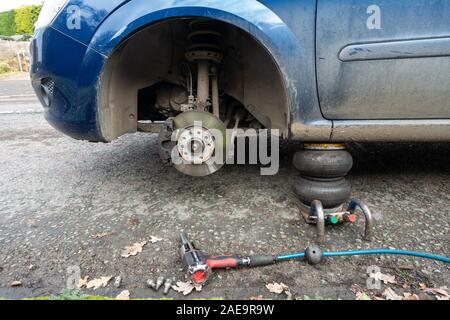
[302, 255]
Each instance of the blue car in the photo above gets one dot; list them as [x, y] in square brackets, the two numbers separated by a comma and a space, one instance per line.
[318, 71]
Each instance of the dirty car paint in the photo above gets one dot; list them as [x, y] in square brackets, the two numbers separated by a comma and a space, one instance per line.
[307, 55]
[105, 24]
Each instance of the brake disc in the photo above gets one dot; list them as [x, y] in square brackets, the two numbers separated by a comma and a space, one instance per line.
[199, 143]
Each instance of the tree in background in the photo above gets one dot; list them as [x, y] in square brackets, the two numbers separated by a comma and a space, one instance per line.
[7, 23]
[25, 19]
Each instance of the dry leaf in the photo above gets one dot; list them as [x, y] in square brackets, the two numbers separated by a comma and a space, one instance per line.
[16, 284]
[362, 296]
[410, 296]
[260, 297]
[406, 267]
[30, 222]
[102, 235]
[443, 291]
[97, 283]
[184, 287]
[277, 288]
[440, 293]
[386, 278]
[391, 295]
[133, 250]
[124, 295]
[82, 282]
[289, 295]
[355, 288]
[155, 239]
[359, 293]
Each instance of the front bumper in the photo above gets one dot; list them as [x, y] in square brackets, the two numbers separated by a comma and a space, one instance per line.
[64, 75]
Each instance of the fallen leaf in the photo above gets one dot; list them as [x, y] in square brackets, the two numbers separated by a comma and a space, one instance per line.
[30, 222]
[277, 288]
[260, 297]
[133, 250]
[355, 288]
[102, 235]
[134, 221]
[440, 293]
[288, 295]
[391, 295]
[97, 283]
[406, 267]
[410, 296]
[82, 282]
[155, 239]
[184, 287]
[386, 278]
[124, 295]
[16, 284]
[362, 296]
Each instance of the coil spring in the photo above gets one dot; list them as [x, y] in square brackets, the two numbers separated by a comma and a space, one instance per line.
[205, 41]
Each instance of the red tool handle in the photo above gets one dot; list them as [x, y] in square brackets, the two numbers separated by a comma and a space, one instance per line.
[223, 262]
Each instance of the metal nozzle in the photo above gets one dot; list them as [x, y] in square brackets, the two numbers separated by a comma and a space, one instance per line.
[151, 284]
[167, 286]
[159, 283]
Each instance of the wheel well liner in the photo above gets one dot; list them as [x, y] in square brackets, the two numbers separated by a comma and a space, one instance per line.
[253, 75]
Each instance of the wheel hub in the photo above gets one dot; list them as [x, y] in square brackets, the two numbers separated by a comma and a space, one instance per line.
[196, 145]
[195, 142]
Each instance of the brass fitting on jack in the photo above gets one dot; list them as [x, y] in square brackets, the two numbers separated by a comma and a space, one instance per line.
[324, 146]
[318, 217]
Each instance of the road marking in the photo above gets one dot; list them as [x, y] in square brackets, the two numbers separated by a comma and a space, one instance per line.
[18, 96]
[28, 111]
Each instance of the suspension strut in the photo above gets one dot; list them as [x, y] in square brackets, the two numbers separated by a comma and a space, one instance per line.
[205, 52]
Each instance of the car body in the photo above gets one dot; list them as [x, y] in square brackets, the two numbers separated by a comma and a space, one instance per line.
[318, 70]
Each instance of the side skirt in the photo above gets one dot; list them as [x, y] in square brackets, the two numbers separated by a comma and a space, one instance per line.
[391, 130]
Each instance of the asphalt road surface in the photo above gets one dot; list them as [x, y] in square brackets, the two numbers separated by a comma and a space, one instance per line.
[17, 95]
[67, 203]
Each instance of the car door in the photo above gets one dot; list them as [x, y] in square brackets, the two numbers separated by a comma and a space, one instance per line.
[383, 59]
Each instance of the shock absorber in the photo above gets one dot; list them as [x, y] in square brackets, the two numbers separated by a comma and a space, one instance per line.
[205, 52]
